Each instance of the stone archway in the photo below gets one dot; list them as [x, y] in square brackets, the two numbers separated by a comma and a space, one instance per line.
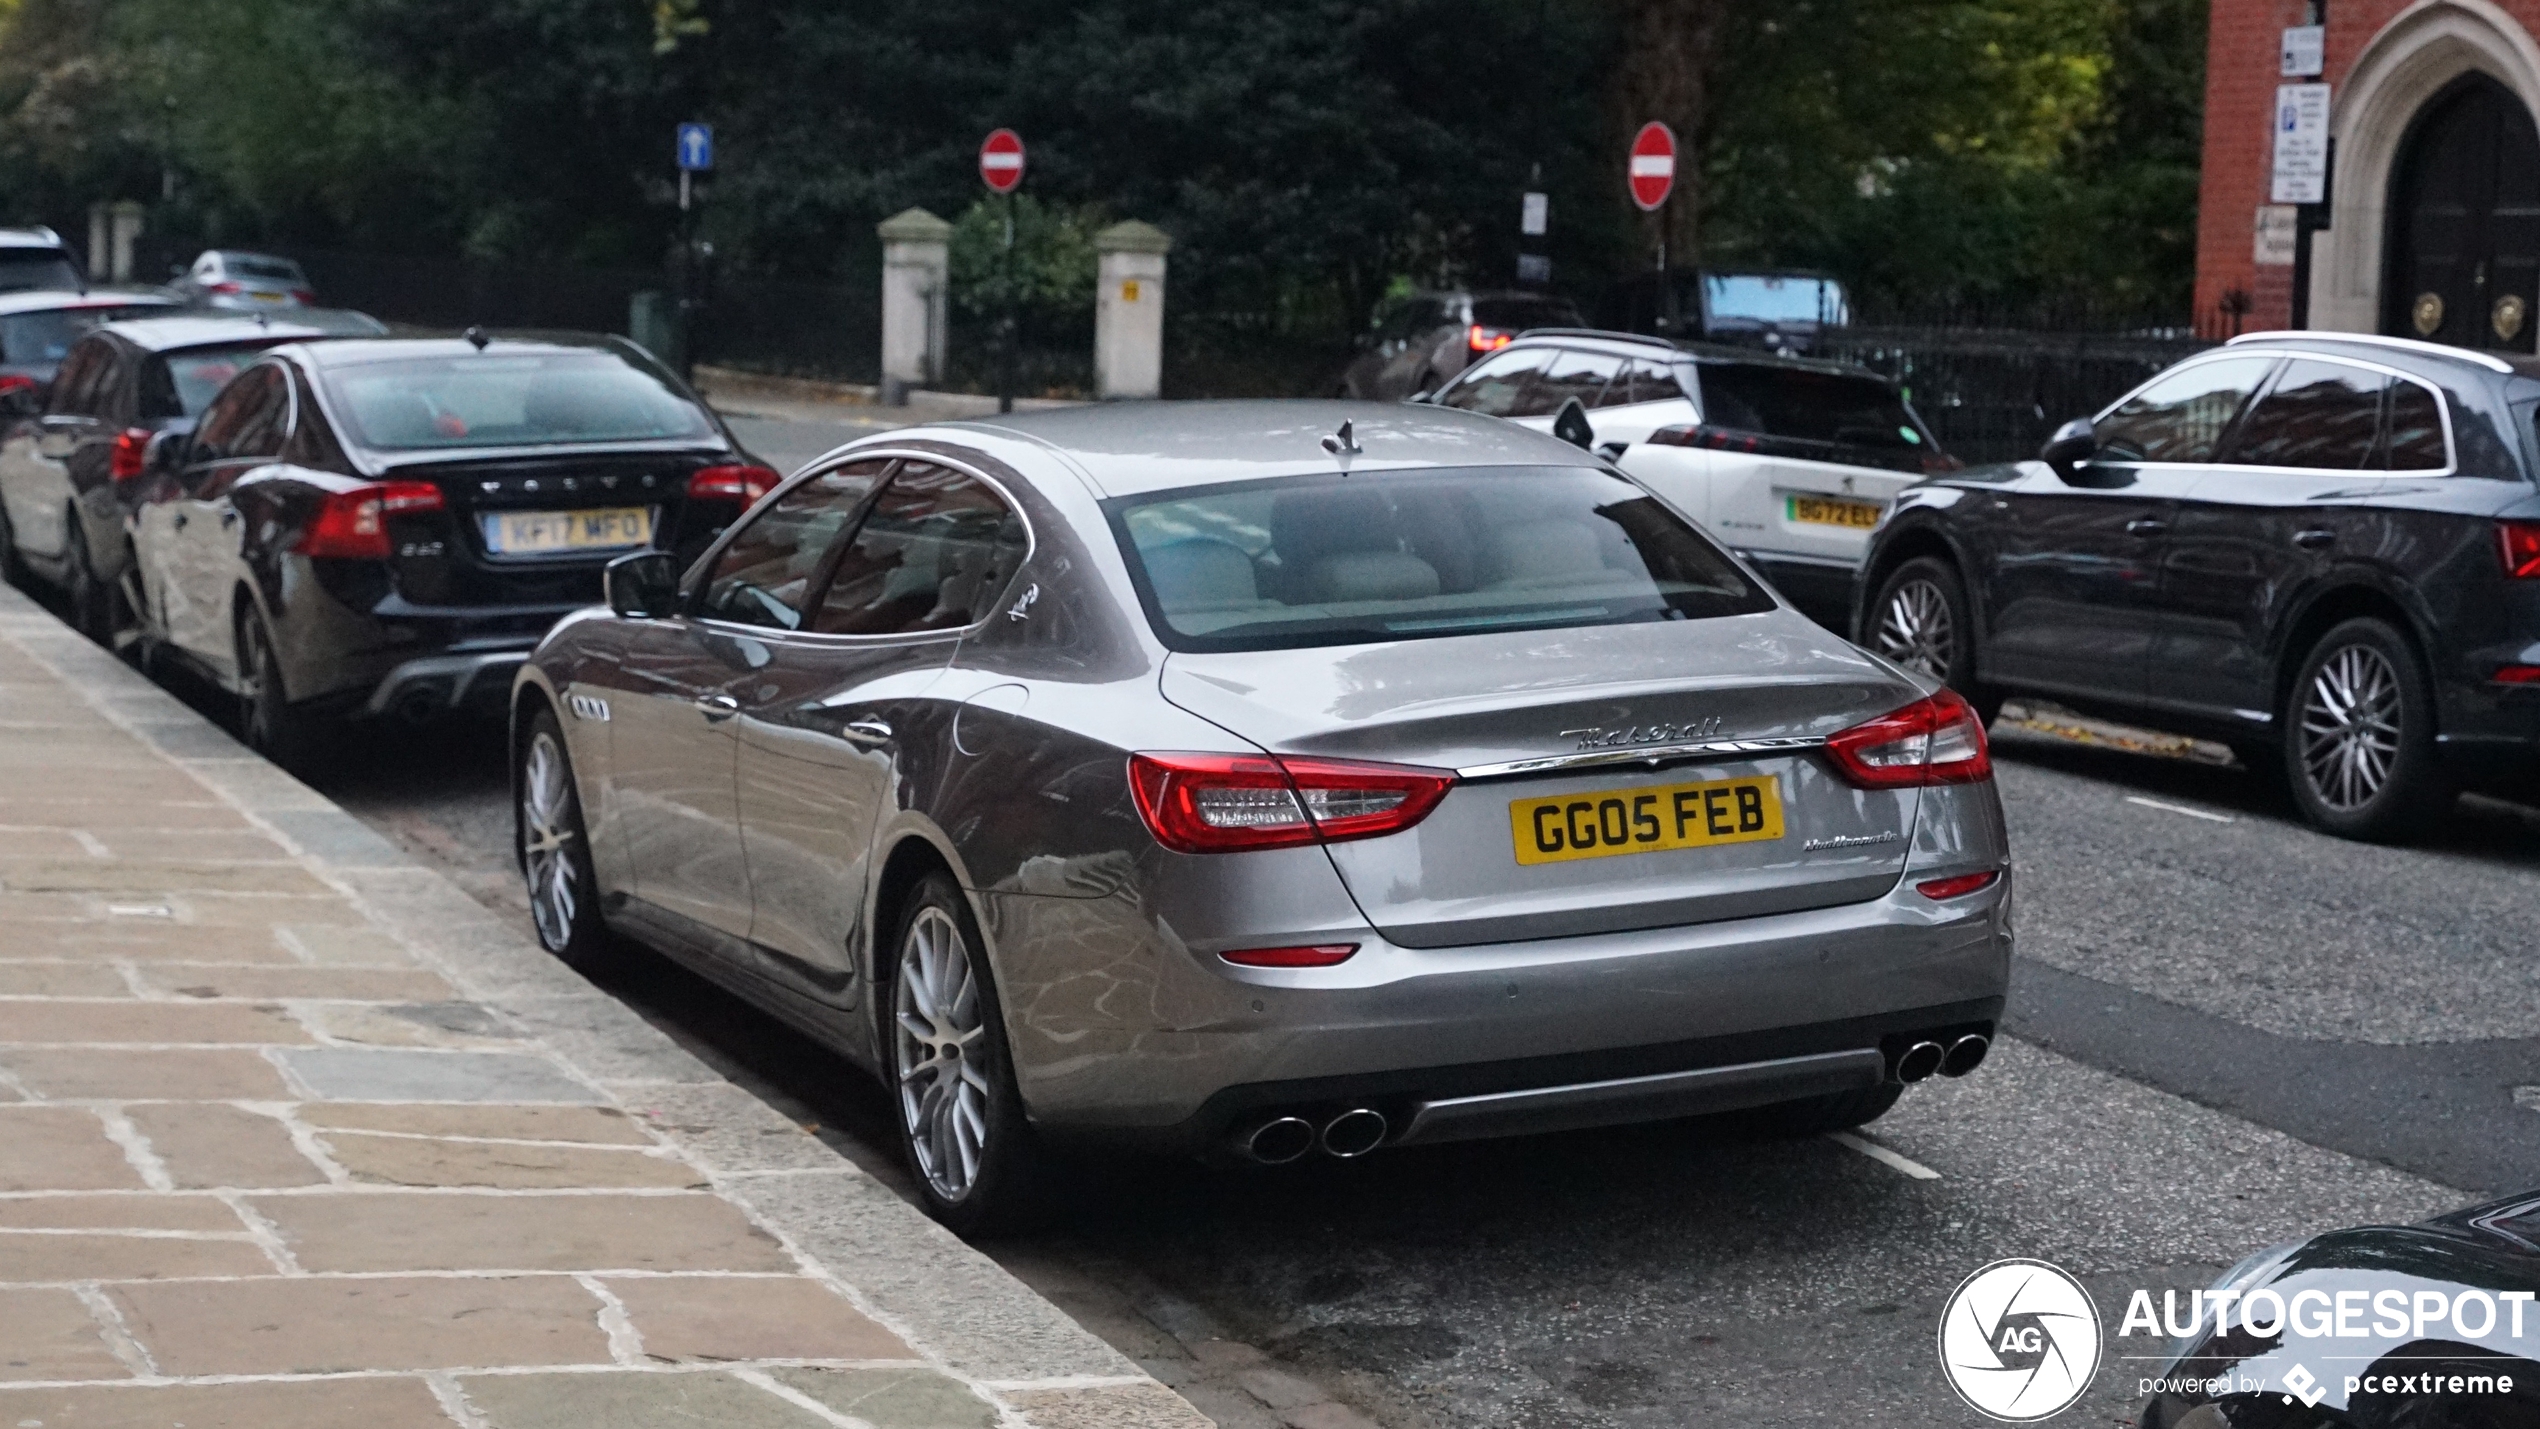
[2414, 59]
[2461, 259]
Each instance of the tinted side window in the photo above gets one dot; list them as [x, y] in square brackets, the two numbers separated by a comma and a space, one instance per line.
[2318, 414]
[246, 419]
[2182, 416]
[766, 576]
[1496, 385]
[934, 554]
[2415, 440]
[1807, 405]
[1569, 374]
[77, 383]
[1645, 381]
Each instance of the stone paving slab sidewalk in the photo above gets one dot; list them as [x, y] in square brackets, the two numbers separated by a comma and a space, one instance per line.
[293, 1133]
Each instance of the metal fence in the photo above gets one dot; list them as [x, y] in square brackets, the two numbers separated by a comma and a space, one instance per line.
[1995, 394]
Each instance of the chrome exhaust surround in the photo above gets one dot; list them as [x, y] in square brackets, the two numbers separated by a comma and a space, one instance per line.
[1278, 1141]
[1919, 1061]
[1965, 1055]
[1354, 1133]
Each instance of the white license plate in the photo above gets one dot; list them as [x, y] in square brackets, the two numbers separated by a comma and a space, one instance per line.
[518, 533]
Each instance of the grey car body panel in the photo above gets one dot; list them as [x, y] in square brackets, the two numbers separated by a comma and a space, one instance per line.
[1007, 763]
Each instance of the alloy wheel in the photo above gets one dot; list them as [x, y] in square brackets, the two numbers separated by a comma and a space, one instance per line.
[937, 1039]
[2350, 727]
[1916, 629]
[548, 831]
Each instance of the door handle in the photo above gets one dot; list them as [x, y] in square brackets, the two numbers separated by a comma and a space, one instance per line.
[869, 728]
[2146, 526]
[2315, 539]
[717, 708]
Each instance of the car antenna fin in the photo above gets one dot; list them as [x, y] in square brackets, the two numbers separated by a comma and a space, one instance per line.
[477, 338]
[1342, 443]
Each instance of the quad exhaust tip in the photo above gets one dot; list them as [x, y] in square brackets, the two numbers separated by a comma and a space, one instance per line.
[1354, 1133]
[1919, 1061]
[1965, 1054]
[1280, 1140]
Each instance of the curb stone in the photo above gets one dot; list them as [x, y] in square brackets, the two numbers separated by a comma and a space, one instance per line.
[954, 1306]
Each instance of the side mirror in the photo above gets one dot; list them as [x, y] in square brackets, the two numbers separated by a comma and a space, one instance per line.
[1572, 426]
[167, 449]
[2073, 443]
[642, 586]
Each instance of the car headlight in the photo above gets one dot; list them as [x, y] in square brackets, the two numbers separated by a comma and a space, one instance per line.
[2251, 1269]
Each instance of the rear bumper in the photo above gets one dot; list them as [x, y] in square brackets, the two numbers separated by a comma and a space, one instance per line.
[436, 684]
[1153, 1044]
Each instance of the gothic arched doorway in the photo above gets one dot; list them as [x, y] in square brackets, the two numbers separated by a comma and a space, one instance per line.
[2464, 243]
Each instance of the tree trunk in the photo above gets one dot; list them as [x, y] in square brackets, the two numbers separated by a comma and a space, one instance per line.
[1669, 48]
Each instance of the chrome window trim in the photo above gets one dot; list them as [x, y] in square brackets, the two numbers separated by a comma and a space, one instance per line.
[2451, 449]
[705, 563]
[2487, 360]
[1645, 754]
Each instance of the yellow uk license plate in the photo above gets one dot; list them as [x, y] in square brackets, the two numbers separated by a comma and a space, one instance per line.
[515, 533]
[1834, 511]
[1646, 820]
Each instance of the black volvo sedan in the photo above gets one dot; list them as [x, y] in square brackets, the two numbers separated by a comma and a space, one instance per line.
[2322, 549]
[386, 527]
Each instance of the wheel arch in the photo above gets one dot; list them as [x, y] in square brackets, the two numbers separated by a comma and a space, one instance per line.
[1913, 542]
[915, 851]
[2354, 596]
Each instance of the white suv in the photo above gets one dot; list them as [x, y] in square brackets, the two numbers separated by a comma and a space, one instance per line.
[36, 258]
[1790, 462]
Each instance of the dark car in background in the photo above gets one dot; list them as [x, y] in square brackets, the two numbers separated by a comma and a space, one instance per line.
[2322, 549]
[33, 258]
[1421, 341]
[1777, 311]
[359, 528]
[38, 326]
[63, 463]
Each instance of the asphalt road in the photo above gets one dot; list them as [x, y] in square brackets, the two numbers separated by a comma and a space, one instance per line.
[2228, 1031]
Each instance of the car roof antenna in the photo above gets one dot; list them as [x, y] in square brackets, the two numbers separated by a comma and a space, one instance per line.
[1341, 443]
[477, 337]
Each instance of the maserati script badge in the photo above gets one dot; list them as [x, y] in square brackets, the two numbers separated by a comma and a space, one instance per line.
[1599, 737]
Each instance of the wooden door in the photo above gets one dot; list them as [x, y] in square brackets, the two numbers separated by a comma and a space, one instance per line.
[2465, 222]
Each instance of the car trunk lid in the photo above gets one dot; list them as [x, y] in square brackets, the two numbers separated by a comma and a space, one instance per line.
[1612, 729]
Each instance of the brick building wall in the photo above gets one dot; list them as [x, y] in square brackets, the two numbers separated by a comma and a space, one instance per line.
[2242, 71]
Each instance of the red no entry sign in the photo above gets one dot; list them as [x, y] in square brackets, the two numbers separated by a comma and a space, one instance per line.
[1001, 161]
[1653, 170]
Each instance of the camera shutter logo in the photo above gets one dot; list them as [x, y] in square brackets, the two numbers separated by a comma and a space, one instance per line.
[2019, 1340]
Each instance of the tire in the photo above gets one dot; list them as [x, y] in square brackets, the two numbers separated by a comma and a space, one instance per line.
[13, 569]
[1921, 619]
[2359, 736]
[96, 605]
[976, 1161]
[268, 723]
[553, 848]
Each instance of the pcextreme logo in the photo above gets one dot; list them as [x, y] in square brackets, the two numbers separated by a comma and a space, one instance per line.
[2019, 1340]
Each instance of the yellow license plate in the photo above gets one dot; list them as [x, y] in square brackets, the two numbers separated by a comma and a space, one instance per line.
[514, 533]
[1647, 820]
[1834, 511]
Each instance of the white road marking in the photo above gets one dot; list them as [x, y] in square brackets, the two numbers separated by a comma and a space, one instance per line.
[1883, 1156]
[2180, 809]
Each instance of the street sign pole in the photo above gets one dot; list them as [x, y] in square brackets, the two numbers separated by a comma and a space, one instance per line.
[693, 151]
[1001, 169]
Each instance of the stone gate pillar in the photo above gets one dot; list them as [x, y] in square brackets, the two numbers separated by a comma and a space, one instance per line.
[1129, 310]
[916, 264]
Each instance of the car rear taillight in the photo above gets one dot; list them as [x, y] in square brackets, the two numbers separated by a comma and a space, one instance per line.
[1229, 803]
[1716, 438]
[304, 296]
[1941, 464]
[353, 525]
[130, 455]
[1487, 339]
[15, 382]
[2517, 675]
[1321, 956]
[226, 287]
[2519, 543]
[1941, 890]
[745, 484]
[1937, 740]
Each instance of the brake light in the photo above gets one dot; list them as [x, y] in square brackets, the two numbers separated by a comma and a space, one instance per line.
[745, 484]
[227, 287]
[1937, 740]
[1941, 890]
[1228, 803]
[16, 382]
[130, 454]
[353, 525]
[1487, 339]
[2519, 543]
[1716, 438]
[1941, 464]
[304, 296]
[1324, 956]
[2517, 675]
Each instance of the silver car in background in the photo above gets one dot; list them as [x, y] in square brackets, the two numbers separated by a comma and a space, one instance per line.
[1266, 779]
[247, 282]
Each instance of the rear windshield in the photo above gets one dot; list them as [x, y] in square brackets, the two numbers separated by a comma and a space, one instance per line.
[42, 337]
[26, 268]
[182, 383]
[1809, 406]
[1332, 560]
[247, 265]
[1518, 314]
[1765, 298]
[499, 399]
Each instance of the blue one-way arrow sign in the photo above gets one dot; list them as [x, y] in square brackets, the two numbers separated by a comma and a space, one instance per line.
[696, 148]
